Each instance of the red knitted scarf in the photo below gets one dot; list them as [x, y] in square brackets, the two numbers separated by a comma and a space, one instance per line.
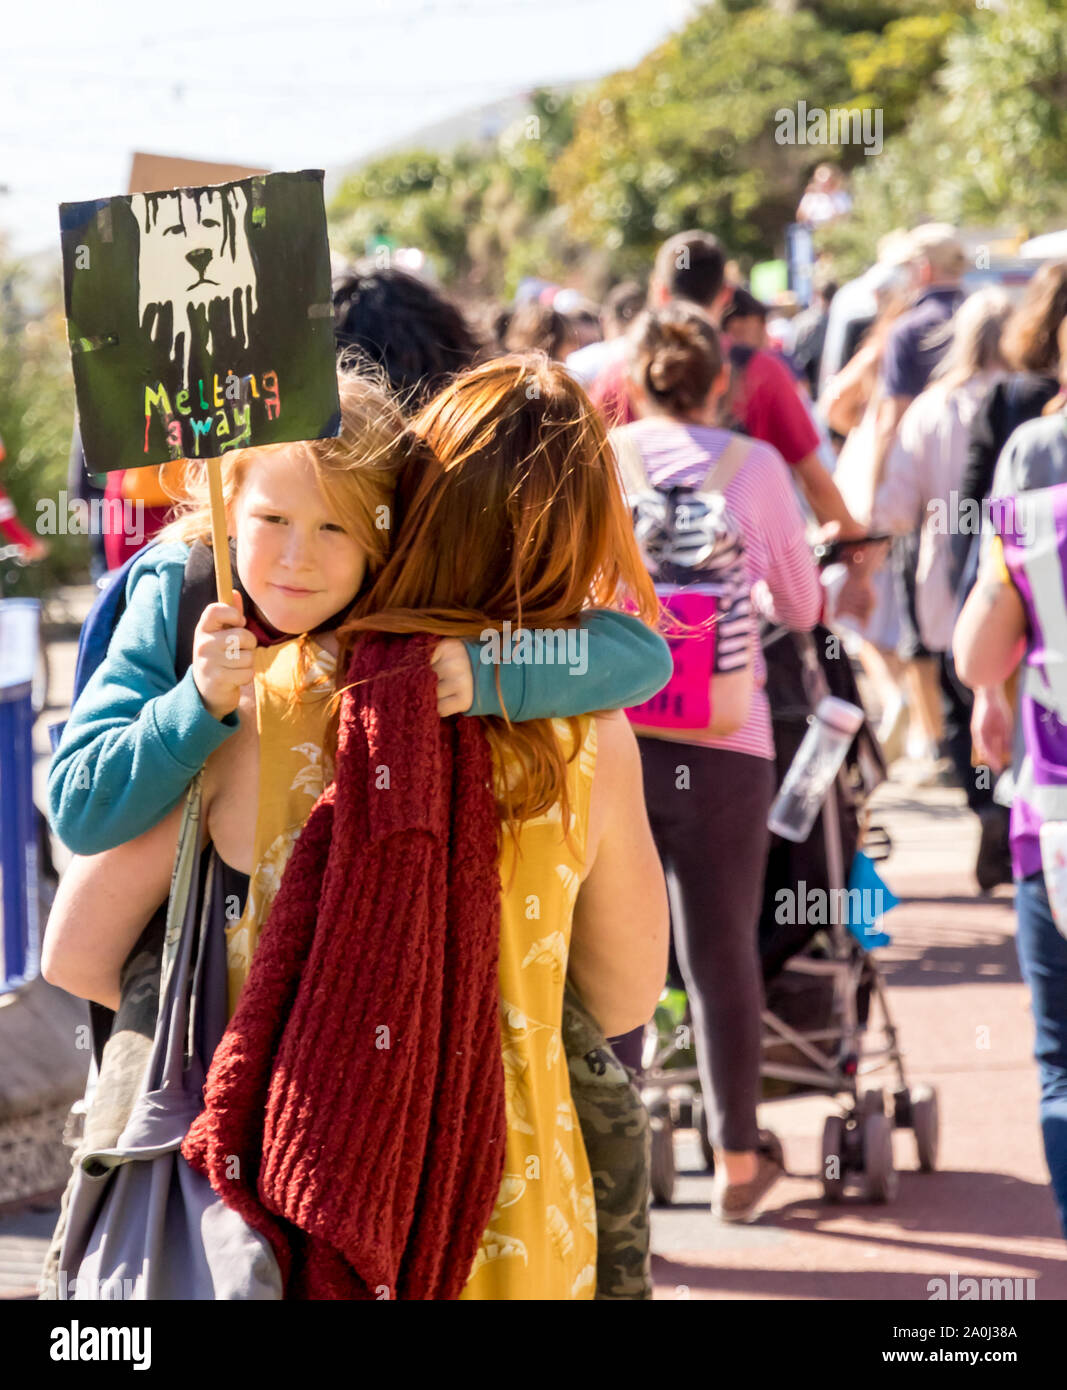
[355, 1105]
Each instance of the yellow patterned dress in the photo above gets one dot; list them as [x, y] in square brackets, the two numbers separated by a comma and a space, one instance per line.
[541, 1239]
[292, 710]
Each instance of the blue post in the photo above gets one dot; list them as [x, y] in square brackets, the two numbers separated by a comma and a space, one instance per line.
[19, 637]
[800, 257]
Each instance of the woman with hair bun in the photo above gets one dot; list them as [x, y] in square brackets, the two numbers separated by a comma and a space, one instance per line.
[710, 826]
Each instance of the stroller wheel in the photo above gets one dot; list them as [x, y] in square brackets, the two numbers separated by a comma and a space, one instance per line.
[924, 1123]
[681, 1101]
[878, 1167]
[833, 1158]
[661, 1177]
[871, 1103]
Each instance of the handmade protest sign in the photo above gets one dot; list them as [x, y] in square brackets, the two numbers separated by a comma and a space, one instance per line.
[151, 172]
[199, 319]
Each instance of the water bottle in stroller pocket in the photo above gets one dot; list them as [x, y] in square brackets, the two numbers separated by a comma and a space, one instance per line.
[817, 762]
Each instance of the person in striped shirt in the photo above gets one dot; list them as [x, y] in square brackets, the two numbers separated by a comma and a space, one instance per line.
[708, 797]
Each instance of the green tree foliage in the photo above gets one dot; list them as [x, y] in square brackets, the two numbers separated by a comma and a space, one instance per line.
[418, 198]
[688, 137]
[892, 70]
[872, 16]
[36, 416]
[986, 143]
[484, 215]
[973, 103]
[1006, 113]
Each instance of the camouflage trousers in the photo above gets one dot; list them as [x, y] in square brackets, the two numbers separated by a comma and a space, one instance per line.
[615, 1130]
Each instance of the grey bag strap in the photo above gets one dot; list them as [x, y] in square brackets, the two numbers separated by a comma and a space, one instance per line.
[726, 467]
[182, 883]
[635, 475]
[183, 949]
[631, 462]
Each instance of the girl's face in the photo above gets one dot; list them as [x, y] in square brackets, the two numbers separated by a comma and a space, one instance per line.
[297, 562]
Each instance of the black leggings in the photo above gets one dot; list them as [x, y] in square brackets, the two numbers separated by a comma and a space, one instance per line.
[708, 811]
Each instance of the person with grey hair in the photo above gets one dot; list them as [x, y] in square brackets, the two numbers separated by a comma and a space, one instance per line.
[917, 342]
[920, 490]
[915, 345]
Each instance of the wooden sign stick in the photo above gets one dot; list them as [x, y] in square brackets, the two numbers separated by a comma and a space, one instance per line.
[220, 541]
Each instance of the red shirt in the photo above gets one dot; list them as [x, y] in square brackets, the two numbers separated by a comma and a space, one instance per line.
[767, 405]
[11, 528]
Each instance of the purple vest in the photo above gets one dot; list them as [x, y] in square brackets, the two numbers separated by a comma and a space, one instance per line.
[1033, 529]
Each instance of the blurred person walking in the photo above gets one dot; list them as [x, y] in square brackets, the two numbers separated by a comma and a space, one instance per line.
[709, 794]
[920, 489]
[1032, 353]
[854, 307]
[849, 404]
[825, 199]
[621, 306]
[1015, 618]
[536, 327]
[809, 329]
[1012, 450]
[405, 326]
[916, 343]
[690, 267]
[12, 529]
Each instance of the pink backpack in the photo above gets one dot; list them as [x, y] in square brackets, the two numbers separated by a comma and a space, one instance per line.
[689, 544]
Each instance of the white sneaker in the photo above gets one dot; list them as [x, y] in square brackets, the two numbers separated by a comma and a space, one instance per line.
[740, 1201]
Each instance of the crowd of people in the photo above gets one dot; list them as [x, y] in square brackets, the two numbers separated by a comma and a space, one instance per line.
[514, 883]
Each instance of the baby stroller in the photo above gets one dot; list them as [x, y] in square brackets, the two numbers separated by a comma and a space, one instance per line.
[823, 990]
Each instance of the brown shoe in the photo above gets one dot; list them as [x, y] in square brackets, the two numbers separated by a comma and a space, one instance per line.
[739, 1201]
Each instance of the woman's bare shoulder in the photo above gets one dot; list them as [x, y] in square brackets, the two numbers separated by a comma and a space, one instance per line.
[617, 774]
[615, 740]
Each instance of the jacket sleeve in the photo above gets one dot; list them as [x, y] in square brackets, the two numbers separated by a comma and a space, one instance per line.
[136, 736]
[613, 660]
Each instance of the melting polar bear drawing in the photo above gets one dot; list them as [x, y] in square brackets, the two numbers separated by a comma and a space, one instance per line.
[193, 251]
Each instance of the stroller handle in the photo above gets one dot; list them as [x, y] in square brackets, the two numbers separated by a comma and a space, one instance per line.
[832, 552]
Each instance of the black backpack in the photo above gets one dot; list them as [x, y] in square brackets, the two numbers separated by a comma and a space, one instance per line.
[681, 531]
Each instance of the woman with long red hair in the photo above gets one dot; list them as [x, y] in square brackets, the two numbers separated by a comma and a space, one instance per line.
[511, 512]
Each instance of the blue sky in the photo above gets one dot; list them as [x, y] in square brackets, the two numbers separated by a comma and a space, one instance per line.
[267, 82]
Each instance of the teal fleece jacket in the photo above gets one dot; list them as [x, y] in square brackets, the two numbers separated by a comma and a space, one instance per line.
[137, 736]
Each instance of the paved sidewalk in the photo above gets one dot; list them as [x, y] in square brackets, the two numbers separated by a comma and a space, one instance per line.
[962, 1015]
[951, 971]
